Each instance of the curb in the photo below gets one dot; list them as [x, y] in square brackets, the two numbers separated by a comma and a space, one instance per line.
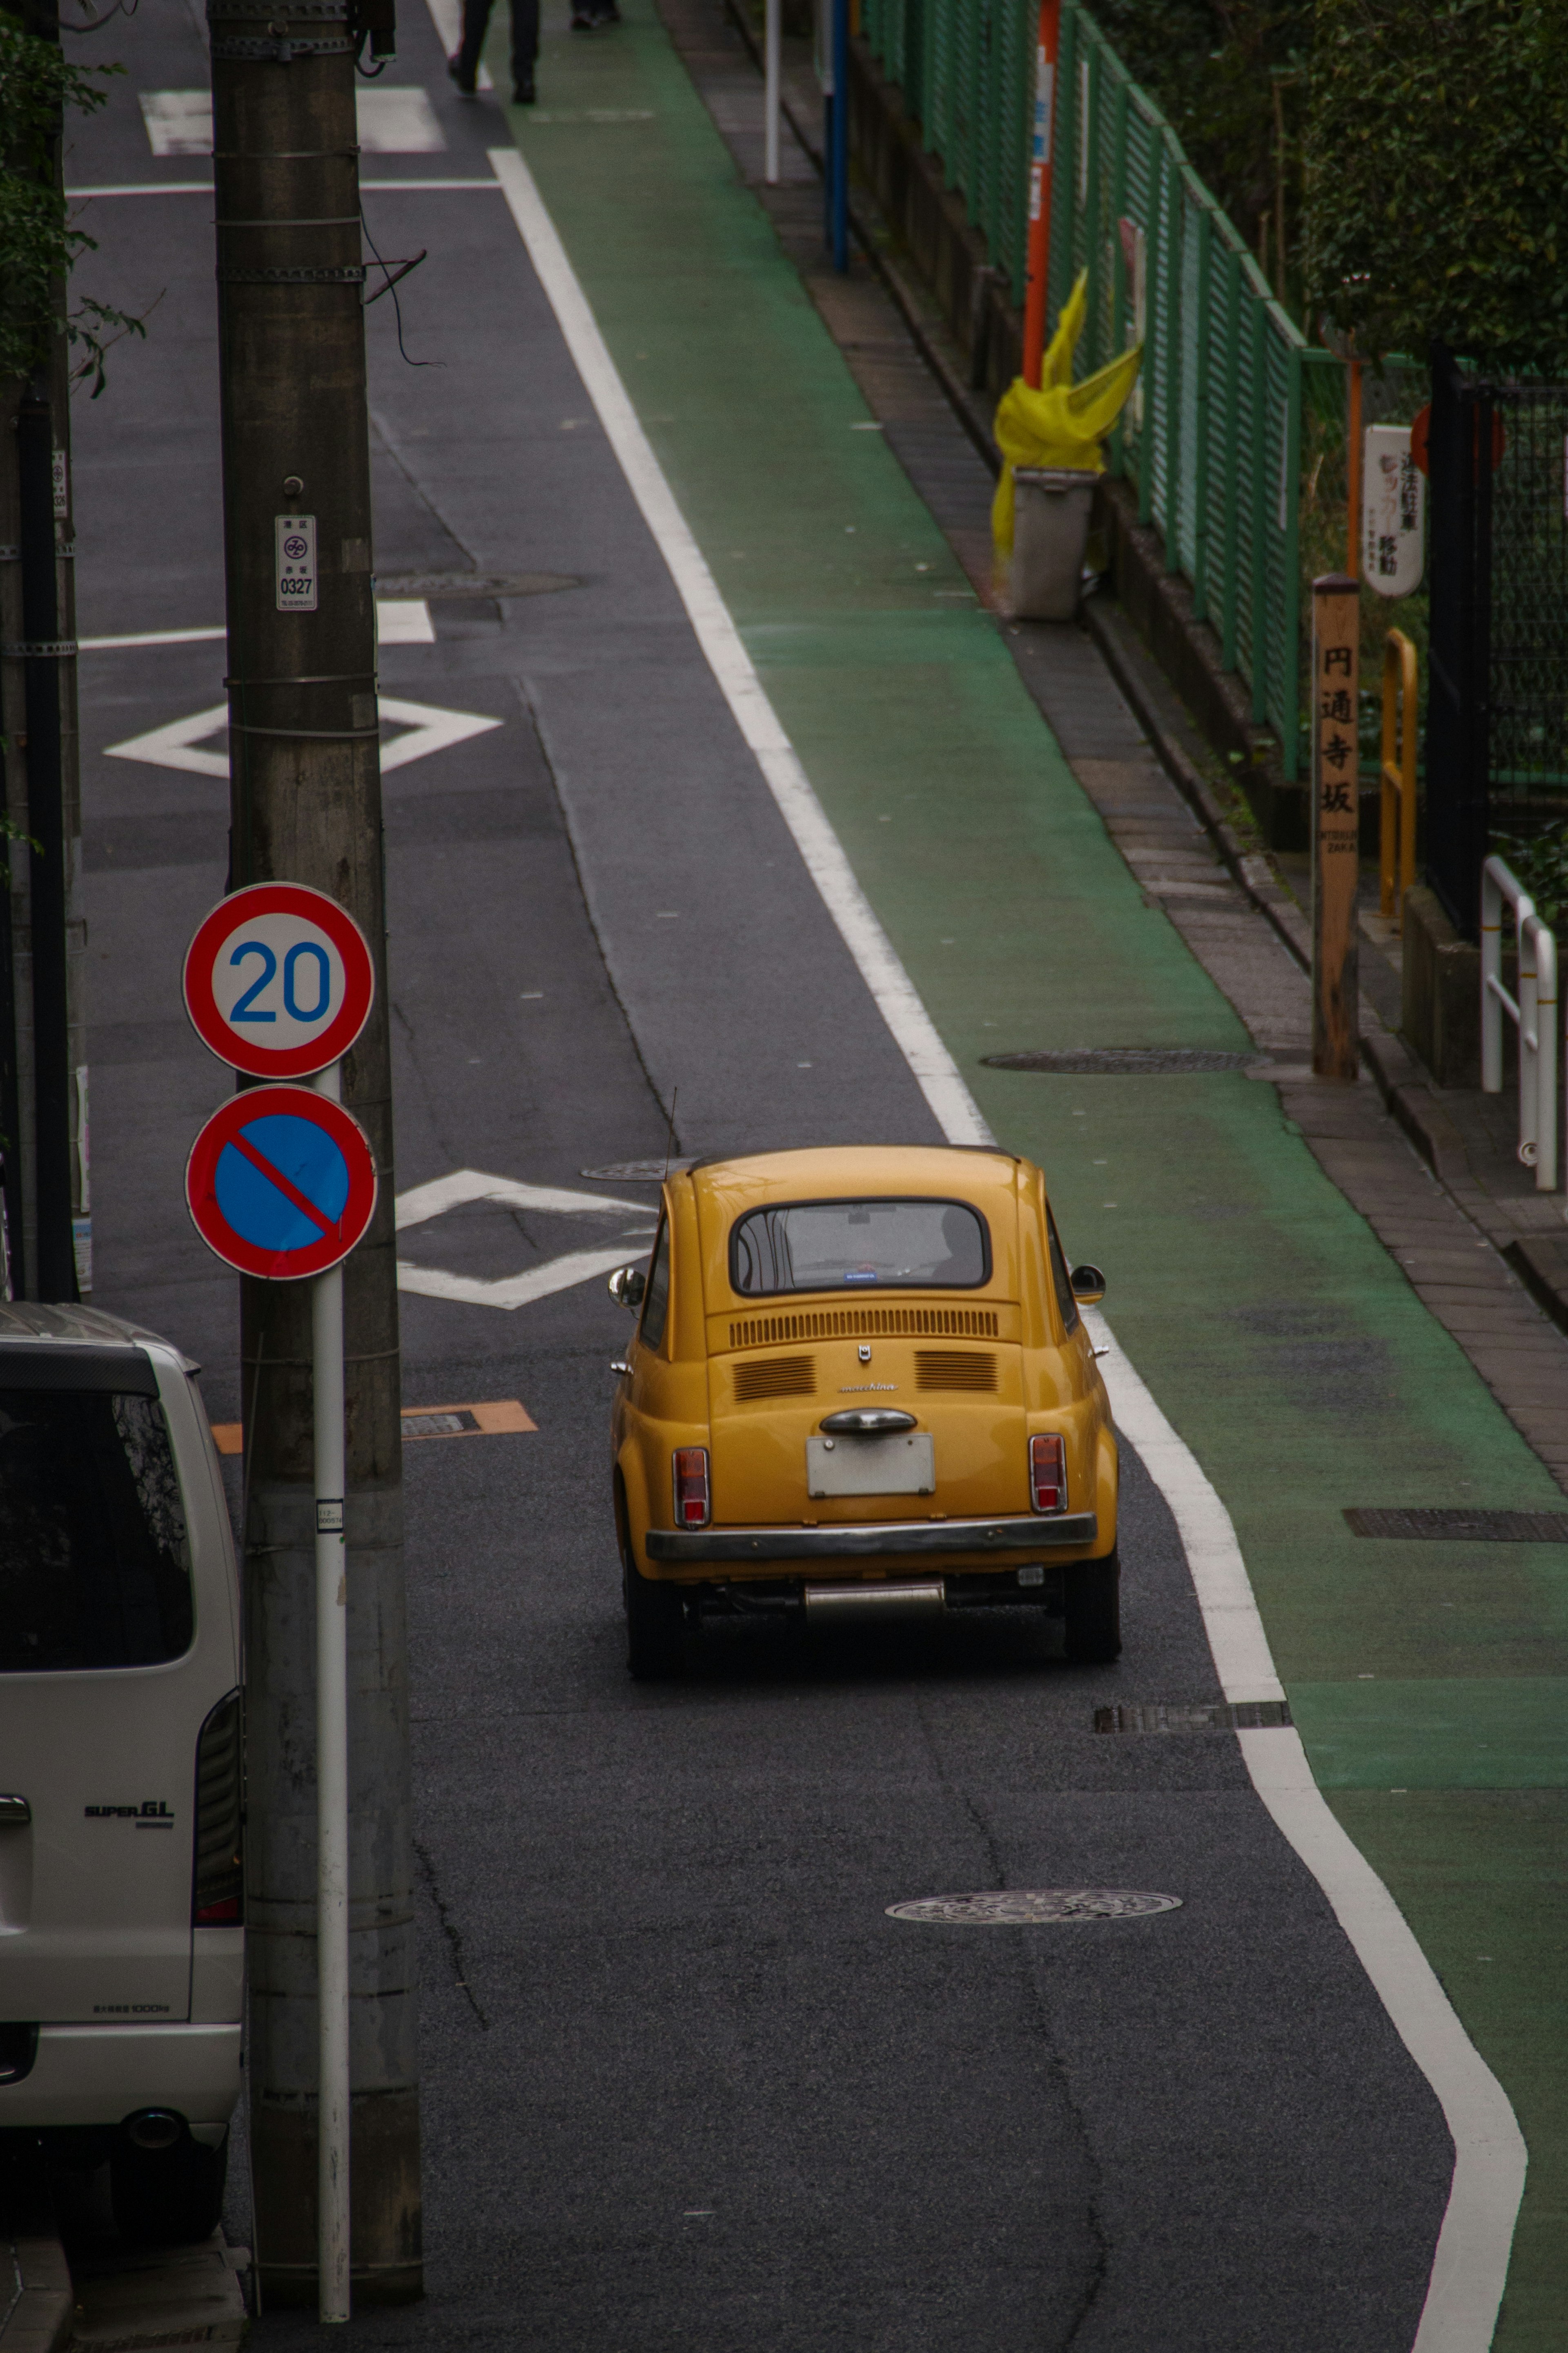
[35, 2300]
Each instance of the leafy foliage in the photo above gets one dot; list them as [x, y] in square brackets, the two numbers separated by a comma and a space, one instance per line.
[1438, 176]
[1540, 862]
[39, 241]
[1208, 63]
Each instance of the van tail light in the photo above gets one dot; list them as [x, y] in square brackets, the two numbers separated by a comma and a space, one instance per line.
[692, 1504]
[217, 1888]
[1048, 1474]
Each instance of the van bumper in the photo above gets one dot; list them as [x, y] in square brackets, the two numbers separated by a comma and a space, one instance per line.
[101, 2074]
[872, 1539]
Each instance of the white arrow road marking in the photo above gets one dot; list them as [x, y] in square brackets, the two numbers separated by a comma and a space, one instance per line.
[421, 1202]
[429, 729]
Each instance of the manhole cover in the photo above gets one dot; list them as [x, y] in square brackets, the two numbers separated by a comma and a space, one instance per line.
[441, 585]
[1221, 1716]
[638, 1172]
[1121, 1061]
[1015, 1907]
[1462, 1527]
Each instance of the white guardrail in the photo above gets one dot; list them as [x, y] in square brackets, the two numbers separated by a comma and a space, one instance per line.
[1535, 1016]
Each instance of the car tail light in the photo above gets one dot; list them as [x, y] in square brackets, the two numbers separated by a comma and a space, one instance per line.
[217, 1890]
[1048, 1474]
[691, 1499]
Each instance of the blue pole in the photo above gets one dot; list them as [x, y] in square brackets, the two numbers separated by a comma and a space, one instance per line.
[838, 167]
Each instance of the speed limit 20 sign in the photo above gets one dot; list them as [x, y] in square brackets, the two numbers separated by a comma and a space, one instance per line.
[279, 981]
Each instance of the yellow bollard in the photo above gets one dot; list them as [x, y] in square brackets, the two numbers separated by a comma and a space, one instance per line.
[1397, 831]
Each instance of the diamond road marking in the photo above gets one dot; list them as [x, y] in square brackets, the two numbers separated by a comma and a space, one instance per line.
[421, 1202]
[429, 729]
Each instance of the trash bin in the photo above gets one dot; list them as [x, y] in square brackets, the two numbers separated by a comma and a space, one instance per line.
[1050, 530]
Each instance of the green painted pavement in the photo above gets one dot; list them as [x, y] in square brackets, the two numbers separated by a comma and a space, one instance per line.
[1498, 1732]
[1276, 1332]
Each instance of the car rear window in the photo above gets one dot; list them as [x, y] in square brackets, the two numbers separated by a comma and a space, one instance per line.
[94, 1556]
[867, 1245]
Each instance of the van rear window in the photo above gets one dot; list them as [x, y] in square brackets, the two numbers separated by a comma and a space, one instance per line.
[94, 1557]
[873, 1245]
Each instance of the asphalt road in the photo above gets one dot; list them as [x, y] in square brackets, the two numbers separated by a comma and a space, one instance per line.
[685, 2082]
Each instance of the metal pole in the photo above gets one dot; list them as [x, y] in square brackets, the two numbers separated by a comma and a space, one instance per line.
[1046, 49]
[332, 1783]
[840, 159]
[305, 806]
[771, 94]
[1336, 821]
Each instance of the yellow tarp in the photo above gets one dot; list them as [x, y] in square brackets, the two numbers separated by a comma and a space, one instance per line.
[1063, 424]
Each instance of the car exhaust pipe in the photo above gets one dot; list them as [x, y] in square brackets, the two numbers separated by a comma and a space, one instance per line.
[906, 1597]
[154, 2129]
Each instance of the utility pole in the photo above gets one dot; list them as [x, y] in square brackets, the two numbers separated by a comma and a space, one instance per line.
[305, 806]
[43, 938]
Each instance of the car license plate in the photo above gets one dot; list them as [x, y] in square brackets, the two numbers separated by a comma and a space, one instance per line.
[899, 1464]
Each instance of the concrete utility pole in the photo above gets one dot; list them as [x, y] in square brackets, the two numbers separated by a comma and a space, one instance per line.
[305, 805]
[43, 939]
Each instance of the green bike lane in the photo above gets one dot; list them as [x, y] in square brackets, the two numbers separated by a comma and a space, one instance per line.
[1429, 1679]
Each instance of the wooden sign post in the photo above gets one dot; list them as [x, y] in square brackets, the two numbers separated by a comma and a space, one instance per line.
[1336, 825]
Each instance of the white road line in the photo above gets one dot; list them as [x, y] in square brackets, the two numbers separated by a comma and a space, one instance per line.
[204, 187]
[151, 637]
[1470, 2263]
[421, 1202]
[956, 1111]
[1471, 2266]
[511, 1290]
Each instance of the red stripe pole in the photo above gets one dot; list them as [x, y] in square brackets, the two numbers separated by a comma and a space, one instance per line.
[1046, 51]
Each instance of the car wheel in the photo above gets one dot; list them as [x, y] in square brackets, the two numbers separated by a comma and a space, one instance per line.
[653, 1625]
[167, 2197]
[1094, 1611]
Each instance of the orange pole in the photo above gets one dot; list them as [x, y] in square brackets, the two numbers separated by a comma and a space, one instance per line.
[1047, 49]
[1352, 496]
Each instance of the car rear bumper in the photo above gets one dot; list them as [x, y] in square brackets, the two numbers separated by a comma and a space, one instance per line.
[873, 1540]
[101, 2074]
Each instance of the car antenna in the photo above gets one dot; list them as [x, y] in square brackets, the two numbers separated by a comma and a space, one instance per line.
[669, 1138]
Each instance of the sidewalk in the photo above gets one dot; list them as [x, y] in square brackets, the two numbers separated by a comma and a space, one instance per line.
[1048, 889]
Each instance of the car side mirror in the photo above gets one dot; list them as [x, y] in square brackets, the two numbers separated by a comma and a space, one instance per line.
[1087, 1285]
[628, 1285]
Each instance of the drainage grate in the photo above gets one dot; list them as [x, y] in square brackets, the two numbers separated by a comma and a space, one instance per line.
[458, 1423]
[1023, 1907]
[442, 584]
[1121, 1061]
[1218, 1716]
[638, 1172]
[1461, 1526]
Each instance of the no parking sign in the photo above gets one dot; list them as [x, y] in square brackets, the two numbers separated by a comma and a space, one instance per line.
[281, 1183]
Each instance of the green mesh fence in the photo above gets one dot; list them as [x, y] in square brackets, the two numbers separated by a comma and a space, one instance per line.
[1212, 438]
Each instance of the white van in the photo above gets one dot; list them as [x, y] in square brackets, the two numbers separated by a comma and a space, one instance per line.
[121, 1948]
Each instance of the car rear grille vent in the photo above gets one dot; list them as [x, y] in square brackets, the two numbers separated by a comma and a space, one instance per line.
[954, 1369]
[866, 1323]
[775, 1376]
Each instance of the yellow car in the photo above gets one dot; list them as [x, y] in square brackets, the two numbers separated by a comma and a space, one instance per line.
[861, 1387]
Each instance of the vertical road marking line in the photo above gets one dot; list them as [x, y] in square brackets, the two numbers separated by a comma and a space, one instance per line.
[957, 1114]
[1470, 2267]
[1471, 2262]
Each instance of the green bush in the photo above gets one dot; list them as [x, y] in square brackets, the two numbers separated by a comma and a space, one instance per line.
[39, 241]
[1438, 176]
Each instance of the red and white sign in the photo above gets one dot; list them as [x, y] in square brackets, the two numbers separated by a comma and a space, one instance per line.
[281, 1183]
[279, 981]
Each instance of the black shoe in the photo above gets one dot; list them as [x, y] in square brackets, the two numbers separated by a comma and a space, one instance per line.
[523, 93]
[465, 82]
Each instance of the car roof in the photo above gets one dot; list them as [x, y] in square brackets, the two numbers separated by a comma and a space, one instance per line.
[835, 1172]
[31, 1320]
